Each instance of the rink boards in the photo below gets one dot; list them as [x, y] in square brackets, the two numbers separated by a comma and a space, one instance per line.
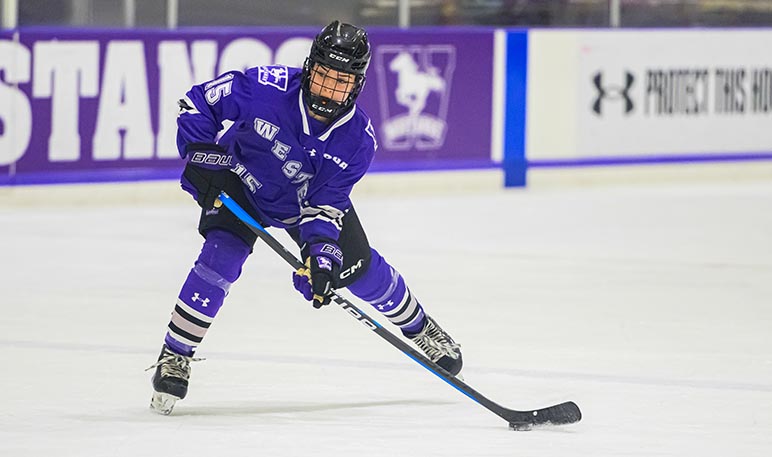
[100, 105]
[634, 97]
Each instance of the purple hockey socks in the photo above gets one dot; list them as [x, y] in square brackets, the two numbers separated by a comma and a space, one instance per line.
[383, 287]
[203, 293]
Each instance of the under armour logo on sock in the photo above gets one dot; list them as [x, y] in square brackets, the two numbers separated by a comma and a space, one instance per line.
[384, 305]
[204, 301]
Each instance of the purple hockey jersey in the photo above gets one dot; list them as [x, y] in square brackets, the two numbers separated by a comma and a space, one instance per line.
[297, 171]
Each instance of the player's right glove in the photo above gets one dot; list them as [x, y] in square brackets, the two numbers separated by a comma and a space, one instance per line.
[207, 171]
[320, 276]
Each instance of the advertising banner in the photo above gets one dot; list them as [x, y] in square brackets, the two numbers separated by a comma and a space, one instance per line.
[100, 105]
[643, 93]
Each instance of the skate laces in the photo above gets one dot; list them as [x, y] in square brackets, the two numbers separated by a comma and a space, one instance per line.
[174, 365]
[435, 342]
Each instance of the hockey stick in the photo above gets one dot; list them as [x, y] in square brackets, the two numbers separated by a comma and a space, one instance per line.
[563, 413]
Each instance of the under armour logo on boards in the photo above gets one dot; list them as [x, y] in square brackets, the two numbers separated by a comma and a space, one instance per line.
[613, 92]
[204, 301]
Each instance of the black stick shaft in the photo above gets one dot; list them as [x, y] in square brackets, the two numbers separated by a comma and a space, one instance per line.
[563, 413]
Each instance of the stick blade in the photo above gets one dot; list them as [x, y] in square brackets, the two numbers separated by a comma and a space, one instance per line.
[564, 413]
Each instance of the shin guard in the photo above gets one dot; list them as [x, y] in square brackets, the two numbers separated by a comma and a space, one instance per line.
[204, 290]
[383, 287]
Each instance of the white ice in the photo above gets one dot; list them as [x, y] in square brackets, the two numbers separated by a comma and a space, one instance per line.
[651, 307]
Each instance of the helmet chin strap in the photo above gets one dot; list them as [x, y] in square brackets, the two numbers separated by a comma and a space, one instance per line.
[326, 108]
[323, 106]
[319, 112]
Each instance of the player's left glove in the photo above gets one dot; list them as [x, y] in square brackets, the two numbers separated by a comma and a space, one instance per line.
[319, 278]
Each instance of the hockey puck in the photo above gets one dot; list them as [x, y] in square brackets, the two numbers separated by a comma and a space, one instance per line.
[520, 427]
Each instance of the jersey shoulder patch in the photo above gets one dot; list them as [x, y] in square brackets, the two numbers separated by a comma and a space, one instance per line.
[275, 76]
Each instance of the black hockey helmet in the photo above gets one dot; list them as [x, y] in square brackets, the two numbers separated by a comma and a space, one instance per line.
[341, 47]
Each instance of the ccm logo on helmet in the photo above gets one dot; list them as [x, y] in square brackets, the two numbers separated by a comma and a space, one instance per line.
[337, 57]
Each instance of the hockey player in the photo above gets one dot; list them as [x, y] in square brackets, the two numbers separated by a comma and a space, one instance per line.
[288, 144]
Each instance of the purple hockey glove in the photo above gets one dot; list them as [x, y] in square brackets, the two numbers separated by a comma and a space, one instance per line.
[320, 277]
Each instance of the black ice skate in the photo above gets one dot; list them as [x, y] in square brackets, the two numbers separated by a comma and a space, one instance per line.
[439, 347]
[170, 380]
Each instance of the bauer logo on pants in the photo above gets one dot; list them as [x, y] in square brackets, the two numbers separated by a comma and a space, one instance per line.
[414, 89]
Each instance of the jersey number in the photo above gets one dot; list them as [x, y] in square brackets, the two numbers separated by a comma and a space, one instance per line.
[217, 92]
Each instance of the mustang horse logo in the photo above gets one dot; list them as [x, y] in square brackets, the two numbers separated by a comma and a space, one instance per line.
[414, 87]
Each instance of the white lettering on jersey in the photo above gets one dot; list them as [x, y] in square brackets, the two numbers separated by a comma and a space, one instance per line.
[265, 129]
[280, 150]
[219, 88]
[291, 168]
[302, 192]
[371, 131]
[246, 177]
[302, 176]
[343, 165]
[218, 81]
[216, 93]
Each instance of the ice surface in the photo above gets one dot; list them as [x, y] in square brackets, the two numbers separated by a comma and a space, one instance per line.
[651, 308]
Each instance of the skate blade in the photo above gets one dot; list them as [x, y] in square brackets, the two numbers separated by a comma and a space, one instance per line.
[163, 403]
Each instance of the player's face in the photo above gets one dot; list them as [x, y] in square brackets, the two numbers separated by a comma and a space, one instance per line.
[332, 84]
